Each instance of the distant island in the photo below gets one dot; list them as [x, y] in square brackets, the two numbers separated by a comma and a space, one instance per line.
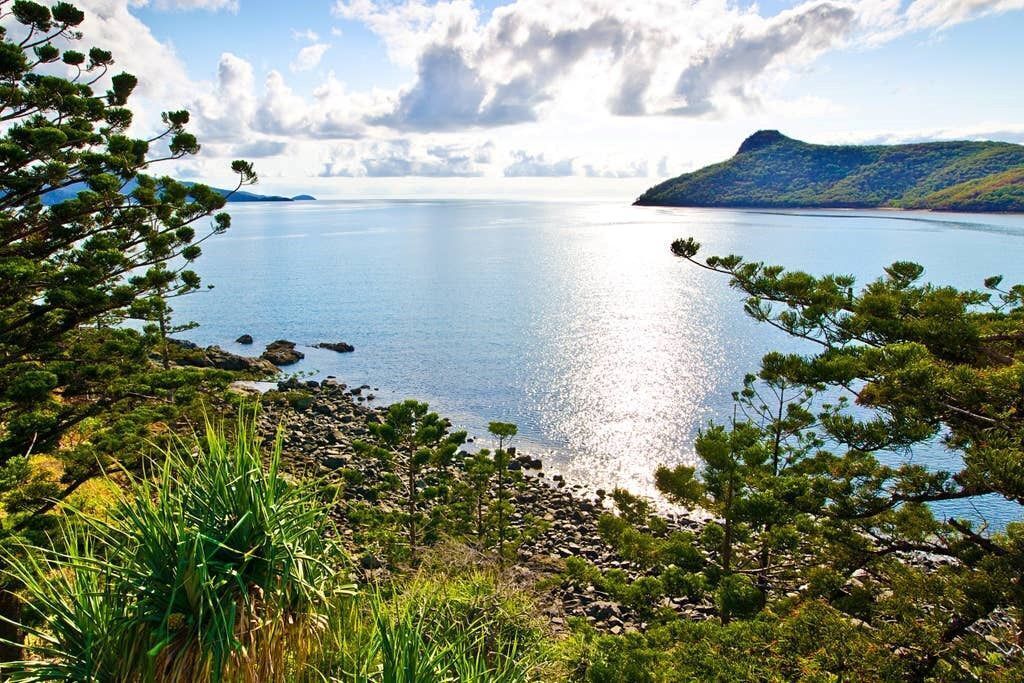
[771, 170]
[242, 196]
[71, 191]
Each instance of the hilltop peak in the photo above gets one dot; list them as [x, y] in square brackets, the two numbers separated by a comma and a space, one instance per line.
[772, 170]
[760, 140]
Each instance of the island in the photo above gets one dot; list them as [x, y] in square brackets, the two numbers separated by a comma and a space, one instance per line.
[58, 195]
[771, 170]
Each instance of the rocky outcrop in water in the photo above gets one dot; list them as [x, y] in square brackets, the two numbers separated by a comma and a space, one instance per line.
[225, 360]
[282, 352]
[191, 354]
[340, 347]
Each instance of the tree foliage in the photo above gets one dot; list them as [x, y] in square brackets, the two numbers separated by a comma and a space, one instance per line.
[74, 379]
[417, 439]
[899, 364]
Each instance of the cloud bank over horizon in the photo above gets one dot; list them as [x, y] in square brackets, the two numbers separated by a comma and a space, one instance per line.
[531, 88]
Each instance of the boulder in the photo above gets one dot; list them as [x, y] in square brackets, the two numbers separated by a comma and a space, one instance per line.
[184, 343]
[340, 347]
[225, 360]
[244, 339]
[216, 357]
[282, 352]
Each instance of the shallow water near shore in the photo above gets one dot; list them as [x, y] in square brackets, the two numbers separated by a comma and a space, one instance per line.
[571, 319]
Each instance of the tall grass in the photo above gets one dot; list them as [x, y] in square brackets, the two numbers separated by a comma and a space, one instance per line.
[436, 629]
[217, 568]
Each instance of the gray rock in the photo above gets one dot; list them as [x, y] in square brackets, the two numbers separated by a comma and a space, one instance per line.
[282, 352]
[340, 347]
[225, 360]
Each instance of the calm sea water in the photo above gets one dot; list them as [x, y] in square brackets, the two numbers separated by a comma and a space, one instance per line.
[572, 320]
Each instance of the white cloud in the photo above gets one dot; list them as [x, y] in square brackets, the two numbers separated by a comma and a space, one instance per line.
[225, 110]
[232, 110]
[799, 34]
[258, 149]
[635, 169]
[941, 14]
[525, 164]
[308, 35]
[562, 76]
[696, 58]
[110, 25]
[309, 57]
[661, 56]
[403, 157]
[1013, 132]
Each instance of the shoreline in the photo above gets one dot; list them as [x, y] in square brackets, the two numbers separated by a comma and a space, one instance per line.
[561, 520]
[558, 520]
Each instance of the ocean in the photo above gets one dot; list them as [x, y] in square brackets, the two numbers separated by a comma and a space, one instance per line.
[571, 319]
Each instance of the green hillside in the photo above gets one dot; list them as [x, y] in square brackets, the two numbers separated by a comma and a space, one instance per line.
[772, 170]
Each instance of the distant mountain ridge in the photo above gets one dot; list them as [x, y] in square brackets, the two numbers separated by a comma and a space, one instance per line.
[771, 170]
[71, 191]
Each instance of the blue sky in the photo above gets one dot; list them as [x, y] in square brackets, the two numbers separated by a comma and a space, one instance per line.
[348, 97]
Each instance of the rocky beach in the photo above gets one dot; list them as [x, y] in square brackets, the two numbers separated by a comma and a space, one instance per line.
[558, 519]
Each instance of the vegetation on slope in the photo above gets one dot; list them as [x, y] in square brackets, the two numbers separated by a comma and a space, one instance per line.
[772, 170]
[997, 192]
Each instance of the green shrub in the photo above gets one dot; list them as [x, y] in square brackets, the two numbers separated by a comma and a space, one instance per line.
[610, 659]
[218, 568]
[645, 594]
[679, 550]
[679, 583]
[737, 596]
[581, 571]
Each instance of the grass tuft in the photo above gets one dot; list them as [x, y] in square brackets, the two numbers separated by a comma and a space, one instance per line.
[216, 568]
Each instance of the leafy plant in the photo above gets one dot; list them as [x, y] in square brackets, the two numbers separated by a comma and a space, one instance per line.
[88, 241]
[437, 628]
[218, 569]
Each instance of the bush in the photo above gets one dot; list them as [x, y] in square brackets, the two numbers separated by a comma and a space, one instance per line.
[216, 569]
[679, 583]
[680, 551]
[737, 596]
[645, 594]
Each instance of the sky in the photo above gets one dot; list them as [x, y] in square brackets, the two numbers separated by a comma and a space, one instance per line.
[353, 98]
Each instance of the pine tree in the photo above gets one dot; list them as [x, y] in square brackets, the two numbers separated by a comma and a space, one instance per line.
[418, 437]
[899, 364]
[505, 431]
[87, 241]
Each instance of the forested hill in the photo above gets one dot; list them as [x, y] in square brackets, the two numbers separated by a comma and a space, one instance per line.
[772, 170]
